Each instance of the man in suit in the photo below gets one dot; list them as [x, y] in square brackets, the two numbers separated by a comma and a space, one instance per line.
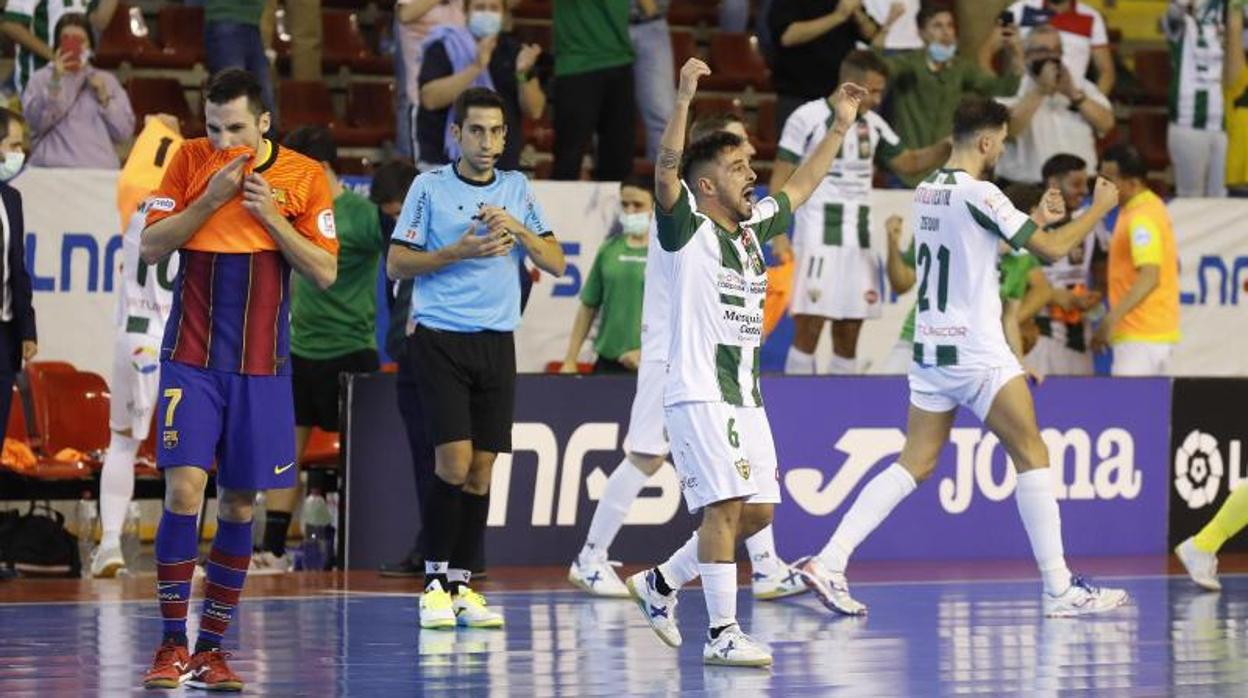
[17, 315]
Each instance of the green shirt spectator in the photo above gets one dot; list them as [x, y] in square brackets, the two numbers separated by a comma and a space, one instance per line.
[591, 35]
[29, 25]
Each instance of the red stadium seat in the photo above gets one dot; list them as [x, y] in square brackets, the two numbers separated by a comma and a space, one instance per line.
[688, 13]
[322, 449]
[16, 428]
[345, 45]
[736, 63]
[540, 134]
[370, 115]
[766, 132]
[126, 39]
[533, 9]
[1149, 136]
[704, 106]
[684, 47]
[1153, 73]
[182, 31]
[305, 103]
[75, 413]
[37, 373]
[156, 95]
[540, 34]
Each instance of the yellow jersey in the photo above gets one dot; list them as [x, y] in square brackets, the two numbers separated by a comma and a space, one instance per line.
[1237, 131]
[1145, 235]
[152, 152]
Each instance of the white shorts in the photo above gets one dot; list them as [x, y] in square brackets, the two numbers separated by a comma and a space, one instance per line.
[941, 389]
[646, 433]
[723, 452]
[134, 384]
[898, 361]
[841, 283]
[1052, 358]
[1142, 359]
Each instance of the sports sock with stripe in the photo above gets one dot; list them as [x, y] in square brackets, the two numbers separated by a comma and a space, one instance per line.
[762, 549]
[176, 551]
[474, 511]
[1230, 519]
[441, 524]
[227, 572]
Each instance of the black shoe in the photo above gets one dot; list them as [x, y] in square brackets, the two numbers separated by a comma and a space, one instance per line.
[407, 567]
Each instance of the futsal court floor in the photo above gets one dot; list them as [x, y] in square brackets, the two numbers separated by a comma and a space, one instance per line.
[933, 629]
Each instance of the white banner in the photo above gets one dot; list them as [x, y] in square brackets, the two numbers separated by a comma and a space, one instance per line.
[73, 244]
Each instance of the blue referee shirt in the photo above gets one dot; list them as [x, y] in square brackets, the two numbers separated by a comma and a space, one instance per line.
[471, 295]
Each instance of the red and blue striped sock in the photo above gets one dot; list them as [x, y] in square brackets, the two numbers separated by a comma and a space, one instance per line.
[176, 551]
[227, 572]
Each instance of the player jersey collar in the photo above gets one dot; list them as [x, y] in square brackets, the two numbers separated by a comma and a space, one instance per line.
[473, 183]
[272, 158]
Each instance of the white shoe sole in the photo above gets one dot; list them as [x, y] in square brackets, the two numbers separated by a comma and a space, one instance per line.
[641, 603]
[438, 623]
[825, 597]
[716, 660]
[1075, 613]
[110, 570]
[773, 594]
[579, 584]
[1202, 582]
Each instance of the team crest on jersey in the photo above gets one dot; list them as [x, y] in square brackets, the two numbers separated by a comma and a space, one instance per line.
[280, 197]
[325, 223]
[815, 294]
[169, 439]
[871, 297]
[145, 360]
[743, 469]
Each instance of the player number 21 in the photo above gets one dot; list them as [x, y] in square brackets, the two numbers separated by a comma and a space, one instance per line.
[942, 272]
[175, 396]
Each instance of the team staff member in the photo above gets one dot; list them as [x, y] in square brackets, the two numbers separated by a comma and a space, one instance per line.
[462, 231]
[17, 315]
[1143, 319]
[615, 286]
[332, 331]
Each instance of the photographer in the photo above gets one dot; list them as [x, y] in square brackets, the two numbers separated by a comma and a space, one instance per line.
[1054, 112]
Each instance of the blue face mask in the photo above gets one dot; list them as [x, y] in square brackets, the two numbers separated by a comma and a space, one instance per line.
[485, 24]
[941, 53]
[11, 165]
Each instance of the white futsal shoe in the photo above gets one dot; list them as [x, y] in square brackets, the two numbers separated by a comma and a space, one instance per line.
[471, 611]
[1202, 567]
[264, 563]
[659, 609]
[598, 578]
[107, 562]
[1083, 599]
[830, 587]
[786, 581]
[734, 648]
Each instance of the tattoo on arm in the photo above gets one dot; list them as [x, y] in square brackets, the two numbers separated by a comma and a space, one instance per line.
[669, 159]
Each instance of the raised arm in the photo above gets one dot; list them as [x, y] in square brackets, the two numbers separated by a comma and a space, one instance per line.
[915, 160]
[667, 169]
[807, 176]
[1233, 65]
[1051, 246]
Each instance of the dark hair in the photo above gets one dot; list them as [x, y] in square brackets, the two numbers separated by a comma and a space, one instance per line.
[1130, 164]
[391, 182]
[930, 10]
[315, 142]
[232, 83]
[645, 184]
[480, 97]
[1062, 164]
[861, 63]
[975, 114]
[72, 19]
[8, 116]
[714, 123]
[1025, 197]
[699, 153]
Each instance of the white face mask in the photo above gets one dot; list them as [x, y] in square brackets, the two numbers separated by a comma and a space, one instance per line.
[635, 223]
[11, 165]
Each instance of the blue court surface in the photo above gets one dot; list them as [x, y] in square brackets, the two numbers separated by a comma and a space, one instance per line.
[921, 638]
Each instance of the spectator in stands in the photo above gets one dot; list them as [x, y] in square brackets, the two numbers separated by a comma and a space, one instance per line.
[1053, 112]
[27, 23]
[17, 315]
[455, 58]
[232, 39]
[1197, 134]
[413, 20]
[76, 111]
[594, 91]
[898, 22]
[614, 287]
[1236, 99]
[332, 331]
[929, 83]
[654, 71]
[303, 21]
[1143, 319]
[1085, 41]
[811, 38]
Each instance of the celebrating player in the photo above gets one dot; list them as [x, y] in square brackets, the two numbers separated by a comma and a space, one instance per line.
[961, 358]
[646, 443]
[242, 212]
[721, 441]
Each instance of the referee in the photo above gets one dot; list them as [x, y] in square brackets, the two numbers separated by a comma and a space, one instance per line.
[464, 229]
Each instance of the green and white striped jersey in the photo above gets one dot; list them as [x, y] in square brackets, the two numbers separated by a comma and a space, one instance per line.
[718, 281]
[1197, 53]
[40, 17]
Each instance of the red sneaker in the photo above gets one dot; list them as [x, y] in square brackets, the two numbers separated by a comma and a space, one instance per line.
[210, 672]
[169, 668]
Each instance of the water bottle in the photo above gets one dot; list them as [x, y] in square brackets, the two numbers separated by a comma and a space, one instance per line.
[87, 515]
[130, 535]
[258, 518]
[316, 525]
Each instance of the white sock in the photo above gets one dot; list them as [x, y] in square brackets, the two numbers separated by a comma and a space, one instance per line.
[1043, 520]
[116, 487]
[622, 488]
[682, 567]
[458, 575]
[719, 585]
[873, 505]
[762, 549]
[799, 363]
[841, 366]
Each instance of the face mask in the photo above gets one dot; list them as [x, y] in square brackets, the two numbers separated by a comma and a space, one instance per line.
[11, 165]
[484, 24]
[635, 223]
[941, 53]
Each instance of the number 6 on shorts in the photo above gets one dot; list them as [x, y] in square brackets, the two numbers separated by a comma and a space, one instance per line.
[734, 439]
[175, 396]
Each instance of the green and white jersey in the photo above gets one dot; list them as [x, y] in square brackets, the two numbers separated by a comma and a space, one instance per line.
[145, 297]
[838, 214]
[718, 282]
[1196, 54]
[40, 17]
[959, 220]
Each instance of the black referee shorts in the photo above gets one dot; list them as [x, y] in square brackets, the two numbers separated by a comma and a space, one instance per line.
[316, 385]
[467, 383]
